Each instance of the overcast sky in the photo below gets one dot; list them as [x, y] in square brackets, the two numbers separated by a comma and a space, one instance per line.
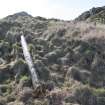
[62, 9]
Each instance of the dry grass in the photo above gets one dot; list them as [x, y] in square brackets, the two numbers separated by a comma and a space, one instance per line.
[85, 31]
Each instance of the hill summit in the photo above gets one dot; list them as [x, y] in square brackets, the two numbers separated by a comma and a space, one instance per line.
[96, 14]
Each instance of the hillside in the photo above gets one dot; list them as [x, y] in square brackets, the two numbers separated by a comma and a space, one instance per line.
[69, 58]
[96, 14]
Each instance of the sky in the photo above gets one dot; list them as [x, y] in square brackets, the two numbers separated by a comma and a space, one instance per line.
[61, 9]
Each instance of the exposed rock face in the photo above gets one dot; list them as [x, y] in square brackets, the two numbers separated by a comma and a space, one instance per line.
[94, 14]
[68, 56]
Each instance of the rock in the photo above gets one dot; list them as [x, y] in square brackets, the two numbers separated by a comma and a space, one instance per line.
[54, 55]
[83, 16]
[16, 103]
[63, 61]
[78, 74]
[51, 56]
[25, 94]
[55, 67]
[92, 12]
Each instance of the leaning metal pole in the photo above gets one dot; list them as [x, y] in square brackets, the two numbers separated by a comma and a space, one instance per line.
[28, 59]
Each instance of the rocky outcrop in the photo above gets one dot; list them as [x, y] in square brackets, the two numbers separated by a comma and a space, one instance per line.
[96, 14]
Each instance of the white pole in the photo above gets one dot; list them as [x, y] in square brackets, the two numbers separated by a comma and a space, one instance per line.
[28, 59]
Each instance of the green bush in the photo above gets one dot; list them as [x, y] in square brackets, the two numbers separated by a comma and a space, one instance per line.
[24, 78]
[99, 91]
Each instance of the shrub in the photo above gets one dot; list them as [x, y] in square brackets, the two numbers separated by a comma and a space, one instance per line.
[24, 78]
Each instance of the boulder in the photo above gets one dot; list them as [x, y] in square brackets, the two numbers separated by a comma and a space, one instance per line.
[51, 56]
[78, 74]
[63, 61]
[54, 55]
